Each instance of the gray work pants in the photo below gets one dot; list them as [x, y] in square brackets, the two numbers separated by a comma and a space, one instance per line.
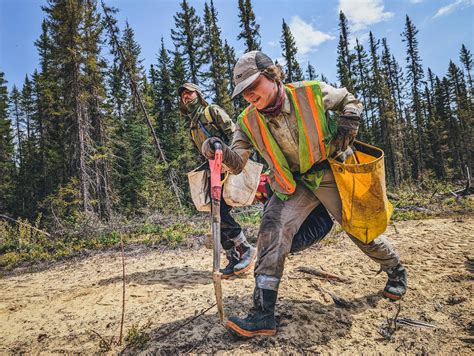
[282, 219]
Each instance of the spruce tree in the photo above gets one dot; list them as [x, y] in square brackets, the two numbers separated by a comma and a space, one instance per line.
[178, 73]
[249, 27]
[466, 59]
[311, 72]
[188, 37]
[7, 160]
[15, 98]
[415, 78]
[361, 73]
[437, 154]
[344, 59]
[288, 45]
[216, 76]
[28, 104]
[385, 129]
[462, 115]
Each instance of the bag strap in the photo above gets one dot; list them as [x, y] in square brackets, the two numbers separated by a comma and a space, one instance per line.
[211, 121]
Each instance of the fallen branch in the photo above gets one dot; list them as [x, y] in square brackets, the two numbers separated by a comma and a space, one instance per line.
[341, 302]
[104, 344]
[323, 274]
[411, 322]
[23, 223]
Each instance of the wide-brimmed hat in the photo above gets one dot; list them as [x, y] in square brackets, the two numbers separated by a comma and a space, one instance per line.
[190, 87]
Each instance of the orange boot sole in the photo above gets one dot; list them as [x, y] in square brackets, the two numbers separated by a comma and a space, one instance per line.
[245, 333]
[250, 265]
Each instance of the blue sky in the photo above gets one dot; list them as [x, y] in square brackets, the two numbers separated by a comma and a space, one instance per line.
[443, 26]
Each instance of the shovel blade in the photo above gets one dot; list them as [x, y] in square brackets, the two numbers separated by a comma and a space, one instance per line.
[216, 277]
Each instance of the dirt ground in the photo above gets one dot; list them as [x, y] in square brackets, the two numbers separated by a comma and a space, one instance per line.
[60, 309]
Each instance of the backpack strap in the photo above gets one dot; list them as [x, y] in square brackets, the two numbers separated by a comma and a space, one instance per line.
[211, 121]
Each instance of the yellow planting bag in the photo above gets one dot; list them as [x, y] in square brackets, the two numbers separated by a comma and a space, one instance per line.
[360, 180]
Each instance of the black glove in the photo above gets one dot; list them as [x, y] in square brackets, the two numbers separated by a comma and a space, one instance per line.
[347, 128]
[207, 148]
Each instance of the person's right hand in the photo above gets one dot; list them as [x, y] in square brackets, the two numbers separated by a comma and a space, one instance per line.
[207, 148]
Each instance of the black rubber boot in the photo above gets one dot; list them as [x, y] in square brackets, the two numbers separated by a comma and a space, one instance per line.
[233, 257]
[396, 286]
[261, 318]
[247, 256]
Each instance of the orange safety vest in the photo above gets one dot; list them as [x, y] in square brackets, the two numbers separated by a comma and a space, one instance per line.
[315, 135]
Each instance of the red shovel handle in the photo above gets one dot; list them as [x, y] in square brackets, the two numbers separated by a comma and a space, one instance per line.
[216, 166]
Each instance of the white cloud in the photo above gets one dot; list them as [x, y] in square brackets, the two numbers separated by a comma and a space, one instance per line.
[415, 1]
[445, 10]
[306, 36]
[272, 44]
[363, 13]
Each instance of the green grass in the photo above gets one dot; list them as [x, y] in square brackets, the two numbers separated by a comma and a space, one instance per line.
[136, 337]
[20, 244]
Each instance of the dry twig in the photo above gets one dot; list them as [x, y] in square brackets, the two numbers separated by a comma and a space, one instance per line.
[323, 274]
[184, 324]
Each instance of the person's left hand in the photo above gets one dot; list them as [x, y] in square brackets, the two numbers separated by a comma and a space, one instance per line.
[347, 128]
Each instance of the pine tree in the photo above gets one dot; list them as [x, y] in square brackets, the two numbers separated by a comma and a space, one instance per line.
[361, 73]
[445, 113]
[216, 77]
[311, 72]
[143, 98]
[71, 46]
[393, 78]
[466, 60]
[15, 98]
[345, 59]
[437, 157]
[250, 29]
[462, 116]
[230, 60]
[188, 37]
[415, 78]
[7, 161]
[288, 45]
[178, 73]
[165, 99]
[29, 177]
[384, 130]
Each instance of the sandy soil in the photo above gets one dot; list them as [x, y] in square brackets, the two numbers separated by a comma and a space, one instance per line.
[59, 309]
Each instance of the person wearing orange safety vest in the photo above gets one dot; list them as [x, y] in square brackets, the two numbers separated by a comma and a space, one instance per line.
[208, 120]
[289, 126]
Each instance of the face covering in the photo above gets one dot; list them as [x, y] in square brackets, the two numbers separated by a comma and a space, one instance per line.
[194, 108]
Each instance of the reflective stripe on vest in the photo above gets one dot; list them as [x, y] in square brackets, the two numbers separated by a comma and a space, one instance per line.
[306, 110]
[313, 131]
[263, 141]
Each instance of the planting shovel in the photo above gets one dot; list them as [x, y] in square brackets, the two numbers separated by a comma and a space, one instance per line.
[216, 190]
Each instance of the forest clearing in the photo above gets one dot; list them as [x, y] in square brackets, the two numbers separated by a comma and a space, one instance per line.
[66, 307]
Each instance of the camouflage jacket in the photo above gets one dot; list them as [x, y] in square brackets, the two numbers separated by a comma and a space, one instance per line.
[221, 126]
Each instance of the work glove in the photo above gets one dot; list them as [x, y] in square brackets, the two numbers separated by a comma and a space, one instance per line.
[207, 148]
[347, 128]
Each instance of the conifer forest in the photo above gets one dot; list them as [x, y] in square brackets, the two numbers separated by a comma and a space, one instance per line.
[92, 134]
